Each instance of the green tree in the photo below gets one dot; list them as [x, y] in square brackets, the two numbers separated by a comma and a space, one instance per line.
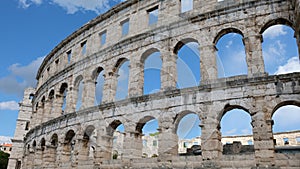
[3, 160]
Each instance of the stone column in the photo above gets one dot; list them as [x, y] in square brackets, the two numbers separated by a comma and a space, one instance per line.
[40, 114]
[57, 106]
[88, 94]
[208, 63]
[263, 137]
[211, 144]
[83, 153]
[255, 62]
[136, 78]
[38, 158]
[133, 145]
[104, 147]
[71, 103]
[167, 142]
[168, 74]
[110, 87]
[49, 157]
[47, 110]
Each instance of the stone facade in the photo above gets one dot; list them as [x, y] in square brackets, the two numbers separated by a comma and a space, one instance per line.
[61, 137]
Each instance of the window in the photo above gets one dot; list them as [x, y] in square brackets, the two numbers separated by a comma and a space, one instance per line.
[56, 62]
[27, 126]
[153, 15]
[144, 143]
[154, 143]
[298, 140]
[83, 48]
[186, 5]
[69, 54]
[102, 36]
[125, 27]
[286, 141]
[184, 144]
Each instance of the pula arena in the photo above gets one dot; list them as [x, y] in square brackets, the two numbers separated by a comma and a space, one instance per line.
[51, 133]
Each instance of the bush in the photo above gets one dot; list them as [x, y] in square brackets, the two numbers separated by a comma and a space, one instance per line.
[3, 160]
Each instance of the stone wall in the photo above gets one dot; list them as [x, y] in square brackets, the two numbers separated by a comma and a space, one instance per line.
[61, 137]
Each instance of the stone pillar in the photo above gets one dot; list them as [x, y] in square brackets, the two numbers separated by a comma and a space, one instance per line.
[38, 158]
[71, 102]
[110, 87]
[211, 144]
[47, 110]
[168, 74]
[263, 138]
[167, 143]
[40, 114]
[255, 62]
[133, 145]
[57, 106]
[136, 78]
[88, 94]
[104, 147]
[49, 157]
[83, 153]
[208, 63]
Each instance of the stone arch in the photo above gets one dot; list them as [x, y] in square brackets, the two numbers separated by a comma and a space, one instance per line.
[119, 63]
[225, 31]
[97, 77]
[187, 54]
[285, 103]
[78, 89]
[54, 140]
[112, 127]
[228, 108]
[78, 79]
[120, 82]
[150, 78]
[141, 123]
[179, 117]
[62, 98]
[277, 21]
[147, 53]
[182, 42]
[286, 42]
[43, 144]
[88, 143]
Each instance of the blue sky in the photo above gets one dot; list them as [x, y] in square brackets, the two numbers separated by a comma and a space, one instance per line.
[30, 29]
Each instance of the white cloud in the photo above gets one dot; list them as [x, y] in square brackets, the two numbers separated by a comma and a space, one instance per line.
[286, 119]
[20, 77]
[72, 6]
[292, 65]
[229, 44]
[9, 105]
[274, 32]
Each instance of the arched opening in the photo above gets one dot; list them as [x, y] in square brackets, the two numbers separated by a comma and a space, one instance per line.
[231, 51]
[148, 140]
[34, 145]
[49, 107]
[43, 144]
[78, 89]
[69, 147]
[188, 63]
[98, 76]
[62, 100]
[89, 143]
[189, 133]
[280, 50]
[52, 148]
[122, 70]
[115, 131]
[236, 130]
[286, 128]
[152, 70]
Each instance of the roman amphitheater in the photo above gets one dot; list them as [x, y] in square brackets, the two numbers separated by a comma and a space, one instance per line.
[52, 132]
